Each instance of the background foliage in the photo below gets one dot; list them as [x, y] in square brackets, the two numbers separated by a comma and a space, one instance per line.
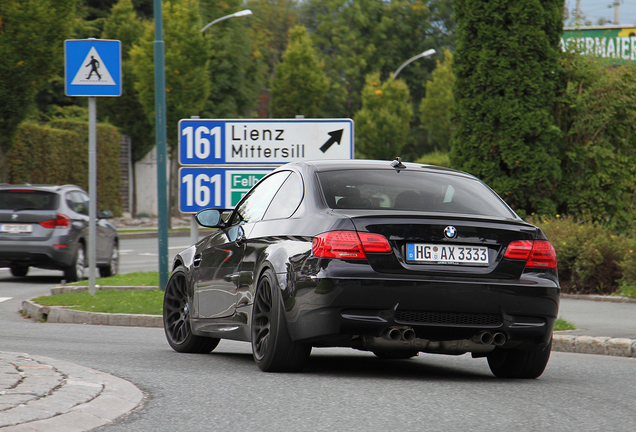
[31, 43]
[57, 153]
[299, 83]
[506, 68]
[591, 258]
[597, 113]
[382, 125]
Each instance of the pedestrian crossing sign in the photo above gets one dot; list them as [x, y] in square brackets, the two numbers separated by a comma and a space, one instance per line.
[92, 67]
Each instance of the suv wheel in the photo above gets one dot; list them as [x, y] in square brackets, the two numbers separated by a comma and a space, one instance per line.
[76, 270]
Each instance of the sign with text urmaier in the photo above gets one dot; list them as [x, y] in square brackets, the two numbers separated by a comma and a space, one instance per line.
[263, 141]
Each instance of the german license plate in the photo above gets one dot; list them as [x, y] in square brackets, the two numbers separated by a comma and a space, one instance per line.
[16, 228]
[446, 254]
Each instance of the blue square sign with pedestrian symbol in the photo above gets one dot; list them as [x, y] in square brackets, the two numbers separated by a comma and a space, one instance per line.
[92, 67]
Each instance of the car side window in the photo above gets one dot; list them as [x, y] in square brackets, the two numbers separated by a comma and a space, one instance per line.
[287, 199]
[78, 202]
[253, 206]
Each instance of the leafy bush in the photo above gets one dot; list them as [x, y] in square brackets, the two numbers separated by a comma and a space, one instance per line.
[596, 114]
[57, 153]
[591, 258]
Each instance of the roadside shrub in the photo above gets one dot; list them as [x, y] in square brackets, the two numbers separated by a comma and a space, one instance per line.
[57, 153]
[591, 258]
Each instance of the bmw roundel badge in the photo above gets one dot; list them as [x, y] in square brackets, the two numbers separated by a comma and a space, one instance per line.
[450, 232]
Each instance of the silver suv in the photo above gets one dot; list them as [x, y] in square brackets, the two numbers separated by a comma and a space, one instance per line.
[47, 227]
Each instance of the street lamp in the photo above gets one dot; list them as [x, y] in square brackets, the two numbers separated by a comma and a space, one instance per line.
[242, 13]
[424, 54]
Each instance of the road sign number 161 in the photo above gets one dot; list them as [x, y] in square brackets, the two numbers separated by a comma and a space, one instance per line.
[198, 191]
[197, 144]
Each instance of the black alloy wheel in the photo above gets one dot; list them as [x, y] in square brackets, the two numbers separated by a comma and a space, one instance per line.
[176, 318]
[520, 364]
[272, 347]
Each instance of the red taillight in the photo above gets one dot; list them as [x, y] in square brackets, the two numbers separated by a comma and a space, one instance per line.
[60, 221]
[348, 245]
[538, 253]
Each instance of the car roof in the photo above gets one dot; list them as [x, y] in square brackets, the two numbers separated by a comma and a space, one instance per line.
[341, 164]
[42, 187]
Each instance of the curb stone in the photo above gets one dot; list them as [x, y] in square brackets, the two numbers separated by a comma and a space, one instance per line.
[43, 394]
[620, 347]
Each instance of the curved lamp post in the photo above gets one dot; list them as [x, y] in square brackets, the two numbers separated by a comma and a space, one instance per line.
[242, 13]
[424, 54]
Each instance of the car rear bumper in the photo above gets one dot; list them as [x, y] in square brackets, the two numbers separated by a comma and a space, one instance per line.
[337, 309]
[35, 254]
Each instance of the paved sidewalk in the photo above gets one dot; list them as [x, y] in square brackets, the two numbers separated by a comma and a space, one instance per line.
[41, 394]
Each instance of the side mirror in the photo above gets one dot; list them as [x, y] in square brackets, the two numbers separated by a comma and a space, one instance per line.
[105, 214]
[210, 218]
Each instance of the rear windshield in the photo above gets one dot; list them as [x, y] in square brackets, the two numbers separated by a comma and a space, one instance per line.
[28, 200]
[410, 190]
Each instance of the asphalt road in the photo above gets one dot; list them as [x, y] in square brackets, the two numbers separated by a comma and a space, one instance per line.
[341, 390]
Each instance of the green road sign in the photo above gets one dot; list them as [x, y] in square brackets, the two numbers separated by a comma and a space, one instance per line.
[615, 42]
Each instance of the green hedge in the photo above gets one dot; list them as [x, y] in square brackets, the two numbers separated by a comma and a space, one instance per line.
[591, 258]
[57, 153]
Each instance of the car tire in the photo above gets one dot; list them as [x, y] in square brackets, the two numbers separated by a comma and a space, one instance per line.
[76, 271]
[176, 318]
[19, 271]
[518, 363]
[272, 347]
[113, 263]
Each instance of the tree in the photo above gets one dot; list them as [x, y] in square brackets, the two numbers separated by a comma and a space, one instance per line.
[299, 84]
[31, 45]
[382, 125]
[435, 109]
[186, 66]
[360, 37]
[235, 72]
[271, 23]
[507, 69]
[126, 111]
[186, 63]
[342, 29]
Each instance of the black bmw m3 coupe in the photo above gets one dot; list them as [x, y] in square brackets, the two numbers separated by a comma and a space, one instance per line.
[389, 257]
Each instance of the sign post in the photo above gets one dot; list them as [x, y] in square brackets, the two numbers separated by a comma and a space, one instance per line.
[222, 159]
[92, 68]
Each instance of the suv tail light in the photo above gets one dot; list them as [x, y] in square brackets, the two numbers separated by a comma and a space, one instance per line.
[348, 245]
[538, 253]
[60, 221]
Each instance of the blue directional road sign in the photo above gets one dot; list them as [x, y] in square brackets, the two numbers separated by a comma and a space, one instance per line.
[223, 188]
[263, 141]
[92, 67]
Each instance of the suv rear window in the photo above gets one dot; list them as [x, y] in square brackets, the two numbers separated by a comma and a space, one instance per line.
[23, 199]
[410, 190]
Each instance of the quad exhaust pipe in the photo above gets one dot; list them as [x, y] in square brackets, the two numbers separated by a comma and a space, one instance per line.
[487, 338]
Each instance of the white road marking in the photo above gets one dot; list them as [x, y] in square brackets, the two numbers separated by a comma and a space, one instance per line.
[5, 299]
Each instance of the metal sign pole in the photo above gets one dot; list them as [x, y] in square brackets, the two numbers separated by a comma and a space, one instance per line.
[92, 192]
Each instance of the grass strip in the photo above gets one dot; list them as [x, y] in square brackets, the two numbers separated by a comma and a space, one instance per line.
[128, 279]
[562, 324]
[129, 302]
